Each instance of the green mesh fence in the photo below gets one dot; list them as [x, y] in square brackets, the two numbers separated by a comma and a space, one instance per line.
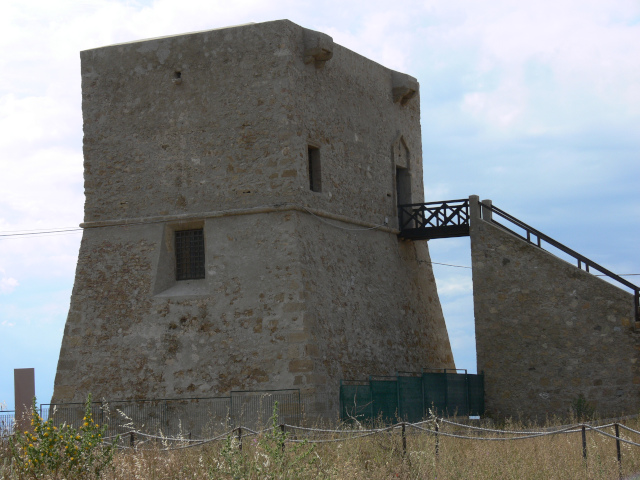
[412, 397]
[476, 394]
[457, 394]
[384, 396]
[355, 401]
[435, 392]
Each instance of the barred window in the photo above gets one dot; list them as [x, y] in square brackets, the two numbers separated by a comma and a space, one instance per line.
[189, 254]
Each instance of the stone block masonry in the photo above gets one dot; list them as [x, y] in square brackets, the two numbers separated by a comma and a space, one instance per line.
[547, 331]
[283, 151]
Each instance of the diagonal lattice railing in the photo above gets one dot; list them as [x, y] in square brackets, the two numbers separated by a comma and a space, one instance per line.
[434, 219]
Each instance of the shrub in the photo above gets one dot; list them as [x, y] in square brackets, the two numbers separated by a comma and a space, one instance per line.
[51, 452]
[582, 409]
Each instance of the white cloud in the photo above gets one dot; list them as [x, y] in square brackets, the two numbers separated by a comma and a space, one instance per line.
[7, 285]
[580, 51]
[448, 286]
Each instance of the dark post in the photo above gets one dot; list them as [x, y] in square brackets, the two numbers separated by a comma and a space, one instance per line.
[584, 443]
[618, 448]
[240, 438]
[466, 383]
[437, 440]
[132, 439]
[404, 440]
[446, 393]
[283, 435]
[424, 406]
[400, 412]
[24, 393]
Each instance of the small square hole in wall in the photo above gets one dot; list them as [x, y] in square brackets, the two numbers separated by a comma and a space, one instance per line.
[189, 248]
[315, 172]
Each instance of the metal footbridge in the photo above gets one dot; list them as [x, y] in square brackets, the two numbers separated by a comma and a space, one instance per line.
[451, 218]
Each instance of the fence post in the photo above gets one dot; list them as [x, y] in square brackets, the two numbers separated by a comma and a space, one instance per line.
[283, 435]
[399, 410]
[132, 439]
[446, 394]
[239, 438]
[466, 382]
[618, 448]
[424, 407]
[404, 440]
[584, 443]
[437, 440]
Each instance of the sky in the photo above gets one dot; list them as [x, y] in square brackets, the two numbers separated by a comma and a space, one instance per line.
[535, 105]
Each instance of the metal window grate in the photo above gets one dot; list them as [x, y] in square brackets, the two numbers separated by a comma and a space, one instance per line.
[189, 254]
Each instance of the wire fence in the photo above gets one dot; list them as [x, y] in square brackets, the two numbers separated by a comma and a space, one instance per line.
[7, 420]
[437, 428]
[191, 416]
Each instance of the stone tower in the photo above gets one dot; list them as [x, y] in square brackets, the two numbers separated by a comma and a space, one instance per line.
[240, 226]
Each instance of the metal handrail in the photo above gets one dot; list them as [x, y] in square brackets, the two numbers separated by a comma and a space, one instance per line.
[580, 258]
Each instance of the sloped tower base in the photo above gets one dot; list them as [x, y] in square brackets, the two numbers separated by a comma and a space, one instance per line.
[285, 156]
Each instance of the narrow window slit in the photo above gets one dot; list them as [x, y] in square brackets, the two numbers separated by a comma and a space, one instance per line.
[315, 172]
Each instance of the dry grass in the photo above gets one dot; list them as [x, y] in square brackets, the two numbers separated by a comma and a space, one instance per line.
[380, 457]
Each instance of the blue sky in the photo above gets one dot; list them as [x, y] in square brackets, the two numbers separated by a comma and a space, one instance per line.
[535, 105]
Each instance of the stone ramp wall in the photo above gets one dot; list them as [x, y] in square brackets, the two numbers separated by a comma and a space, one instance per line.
[547, 331]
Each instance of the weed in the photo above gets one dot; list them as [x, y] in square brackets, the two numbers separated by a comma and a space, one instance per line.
[582, 409]
[269, 456]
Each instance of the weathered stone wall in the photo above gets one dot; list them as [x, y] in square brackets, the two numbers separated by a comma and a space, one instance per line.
[372, 309]
[228, 331]
[547, 331]
[301, 288]
[233, 131]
